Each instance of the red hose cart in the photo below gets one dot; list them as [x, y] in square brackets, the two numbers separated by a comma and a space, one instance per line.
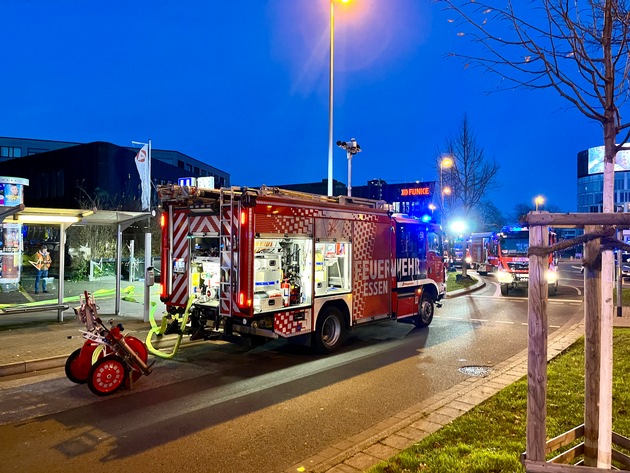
[108, 358]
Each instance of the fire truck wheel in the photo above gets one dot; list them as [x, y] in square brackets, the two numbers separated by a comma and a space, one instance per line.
[426, 310]
[77, 368]
[504, 289]
[330, 332]
[107, 375]
[552, 290]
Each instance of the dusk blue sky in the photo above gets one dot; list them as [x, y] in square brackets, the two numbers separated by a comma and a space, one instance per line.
[243, 86]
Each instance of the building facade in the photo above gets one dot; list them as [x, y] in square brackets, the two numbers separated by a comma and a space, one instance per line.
[64, 175]
[590, 180]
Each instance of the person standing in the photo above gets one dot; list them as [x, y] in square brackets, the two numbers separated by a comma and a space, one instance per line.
[42, 262]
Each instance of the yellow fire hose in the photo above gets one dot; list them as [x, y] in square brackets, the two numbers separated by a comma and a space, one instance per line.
[159, 331]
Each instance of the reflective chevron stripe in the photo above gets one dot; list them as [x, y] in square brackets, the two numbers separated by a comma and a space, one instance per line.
[179, 295]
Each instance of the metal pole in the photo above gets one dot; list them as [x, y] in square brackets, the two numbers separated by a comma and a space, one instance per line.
[330, 100]
[118, 270]
[619, 277]
[442, 191]
[62, 268]
[150, 182]
[349, 156]
[147, 263]
[147, 248]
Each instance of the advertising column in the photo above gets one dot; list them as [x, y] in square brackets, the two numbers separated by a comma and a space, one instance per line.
[11, 247]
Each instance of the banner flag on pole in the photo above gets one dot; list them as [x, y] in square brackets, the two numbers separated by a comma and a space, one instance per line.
[142, 163]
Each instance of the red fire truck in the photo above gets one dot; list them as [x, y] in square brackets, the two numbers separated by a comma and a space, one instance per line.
[483, 252]
[513, 261]
[276, 263]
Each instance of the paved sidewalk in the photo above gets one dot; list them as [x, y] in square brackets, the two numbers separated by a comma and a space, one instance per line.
[36, 341]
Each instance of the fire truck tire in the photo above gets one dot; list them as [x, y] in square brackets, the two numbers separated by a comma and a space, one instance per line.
[552, 290]
[504, 289]
[77, 368]
[107, 375]
[330, 331]
[426, 309]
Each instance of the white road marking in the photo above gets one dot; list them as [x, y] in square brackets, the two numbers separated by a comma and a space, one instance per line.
[524, 299]
[507, 322]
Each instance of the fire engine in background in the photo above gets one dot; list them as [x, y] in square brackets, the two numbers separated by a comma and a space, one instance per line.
[456, 249]
[245, 263]
[483, 252]
[513, 261]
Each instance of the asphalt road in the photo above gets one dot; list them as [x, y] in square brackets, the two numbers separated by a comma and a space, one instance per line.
[224, 408]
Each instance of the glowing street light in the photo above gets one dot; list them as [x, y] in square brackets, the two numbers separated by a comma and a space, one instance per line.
[446, 162]
[330, 96]
[539, 200]
[458, 227]
[445, 191]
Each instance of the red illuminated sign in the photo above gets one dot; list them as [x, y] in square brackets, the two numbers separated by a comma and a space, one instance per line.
[415, 191]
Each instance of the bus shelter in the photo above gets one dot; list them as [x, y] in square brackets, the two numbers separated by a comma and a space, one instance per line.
[12, 217]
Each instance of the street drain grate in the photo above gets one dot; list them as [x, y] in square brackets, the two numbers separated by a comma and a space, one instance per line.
[479, 371]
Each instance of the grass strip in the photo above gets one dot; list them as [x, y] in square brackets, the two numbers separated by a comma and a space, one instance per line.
[454, 283]
[491, 436]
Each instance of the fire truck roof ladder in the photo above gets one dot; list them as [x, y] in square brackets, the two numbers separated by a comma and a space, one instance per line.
[228, 223]
[341, 199]
[204, 196]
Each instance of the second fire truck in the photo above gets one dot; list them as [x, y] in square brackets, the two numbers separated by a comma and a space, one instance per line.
[483, 252]
[513, 262]
[274, 263]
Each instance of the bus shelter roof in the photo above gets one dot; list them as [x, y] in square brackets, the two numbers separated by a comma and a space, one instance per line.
[21, 214]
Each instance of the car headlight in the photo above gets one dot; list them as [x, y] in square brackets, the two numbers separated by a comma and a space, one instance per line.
[504, 277]
[552, 277]
[468, 259]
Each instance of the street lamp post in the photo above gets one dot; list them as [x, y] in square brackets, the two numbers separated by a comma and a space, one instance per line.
[352, 148]
[330, 95]
[445, 191]
[446, 162]
[330, 98]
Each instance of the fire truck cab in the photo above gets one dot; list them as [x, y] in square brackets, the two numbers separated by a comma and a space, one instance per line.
[513, 260]
[276, 263]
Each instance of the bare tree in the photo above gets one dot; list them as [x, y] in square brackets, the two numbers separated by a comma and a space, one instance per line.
[471, 174]
[490, 218]
[580, 49]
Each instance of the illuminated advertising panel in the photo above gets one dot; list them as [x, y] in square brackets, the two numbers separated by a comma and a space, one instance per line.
[11, 246]
[596, 160]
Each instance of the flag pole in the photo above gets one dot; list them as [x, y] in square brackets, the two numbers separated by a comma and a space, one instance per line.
[150, 180]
